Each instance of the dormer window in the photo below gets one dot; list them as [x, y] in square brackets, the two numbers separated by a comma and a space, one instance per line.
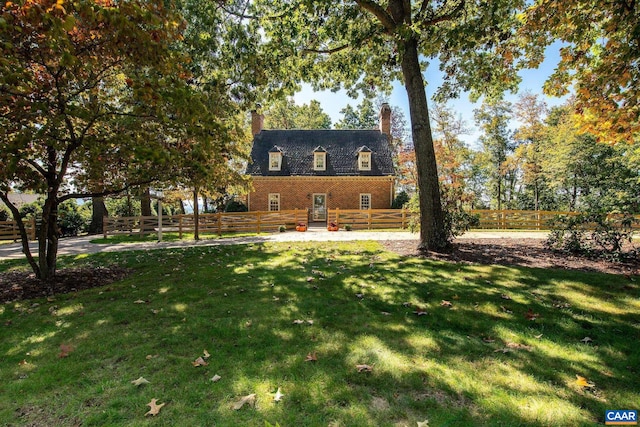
[319, 159]
[275, 159]
[364, 159]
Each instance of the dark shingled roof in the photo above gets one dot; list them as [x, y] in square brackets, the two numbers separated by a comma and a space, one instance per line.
[342, 147]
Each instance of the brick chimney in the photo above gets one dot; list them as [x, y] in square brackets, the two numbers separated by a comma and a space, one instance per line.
[257, 121]
[385, 119]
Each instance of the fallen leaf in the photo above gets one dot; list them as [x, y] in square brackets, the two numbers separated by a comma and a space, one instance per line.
[519, 346]
[505, 309]
[65, 350]
[502, 350]
[446, 303]
[311, 357]
[298, 322]
[139, 301]
[360, 296]
[488, 340]
[216, 378]
[420, 312]
[424, 423]
[582, 382]
[586, 340]
[154, 407]
[406, 304]
[140, 381]
[278, 396]
[385, 313]
[249, 399]
[456, 297]
[206, 354]
[248, 323]
[151, 356]
[530, 315]
[310, 321]
[364, 368]
[199, 362]
[310, 279]
[505, 296]
[538, 336]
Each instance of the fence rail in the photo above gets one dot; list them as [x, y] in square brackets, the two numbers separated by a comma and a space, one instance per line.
[248, 222]
[527, 220]
[371, 218]
[9, 230]
[251, 222]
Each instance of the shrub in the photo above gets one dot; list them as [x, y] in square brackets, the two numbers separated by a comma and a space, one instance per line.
[348, 227]
[282, 228]
[235, 206]
[402, 198]
[591, 234]
[4, 214]
[456, 219]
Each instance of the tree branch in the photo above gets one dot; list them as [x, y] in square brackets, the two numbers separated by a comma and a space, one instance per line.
[103, 193]
[445, 16]
[376, 10]
[327, 51]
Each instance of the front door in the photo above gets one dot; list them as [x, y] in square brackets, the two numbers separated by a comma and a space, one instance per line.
[319, 207]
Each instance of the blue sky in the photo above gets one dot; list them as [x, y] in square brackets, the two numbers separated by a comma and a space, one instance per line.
[532, 81]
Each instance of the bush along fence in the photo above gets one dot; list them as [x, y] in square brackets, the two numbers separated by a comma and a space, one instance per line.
[9, 230]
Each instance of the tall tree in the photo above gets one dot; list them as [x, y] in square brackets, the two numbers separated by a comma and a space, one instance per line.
[364, 44]
[364, 116]
[285, 114]
[598, 60]
[493, 119]
[531, 113]
[69, 71]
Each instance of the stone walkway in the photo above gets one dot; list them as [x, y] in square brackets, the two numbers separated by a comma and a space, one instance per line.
[82, 245]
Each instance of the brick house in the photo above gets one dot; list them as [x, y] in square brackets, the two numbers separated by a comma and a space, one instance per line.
[319, 170]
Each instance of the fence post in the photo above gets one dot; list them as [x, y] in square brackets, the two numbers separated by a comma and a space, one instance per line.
[369, 219]
[258, 221]
[338, 216]
[404, 219]
[219, 223]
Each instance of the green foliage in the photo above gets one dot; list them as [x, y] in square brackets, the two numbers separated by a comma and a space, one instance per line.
[285, 114]
[401, 199]
[122, 206]
[592, 234]
[456, 219]
[4, 213]
[236, 206]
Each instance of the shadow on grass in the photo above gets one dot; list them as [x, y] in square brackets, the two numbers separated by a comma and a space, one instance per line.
[504, 350]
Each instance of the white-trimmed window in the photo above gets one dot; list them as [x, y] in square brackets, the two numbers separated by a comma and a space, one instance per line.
[364, 160]
[275, 161]
[274, 202]
[365, 201]
[319, 161]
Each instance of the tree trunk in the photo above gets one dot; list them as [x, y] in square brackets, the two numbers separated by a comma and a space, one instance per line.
[433, 236]
[98, 213]
[196, 215]
[23, 233]
[182, 209]
[48, 235]
[145, 207]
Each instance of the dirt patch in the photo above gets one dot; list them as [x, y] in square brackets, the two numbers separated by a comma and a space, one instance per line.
[20, 285]
[518, 252]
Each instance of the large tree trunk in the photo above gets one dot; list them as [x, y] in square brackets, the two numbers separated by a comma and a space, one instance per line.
[196, 215]
[98, 213]
[48, 235]
[433, 236]
[145, 207]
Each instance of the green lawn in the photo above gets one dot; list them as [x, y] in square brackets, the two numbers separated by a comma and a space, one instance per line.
[166, 237]
[505, 352]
